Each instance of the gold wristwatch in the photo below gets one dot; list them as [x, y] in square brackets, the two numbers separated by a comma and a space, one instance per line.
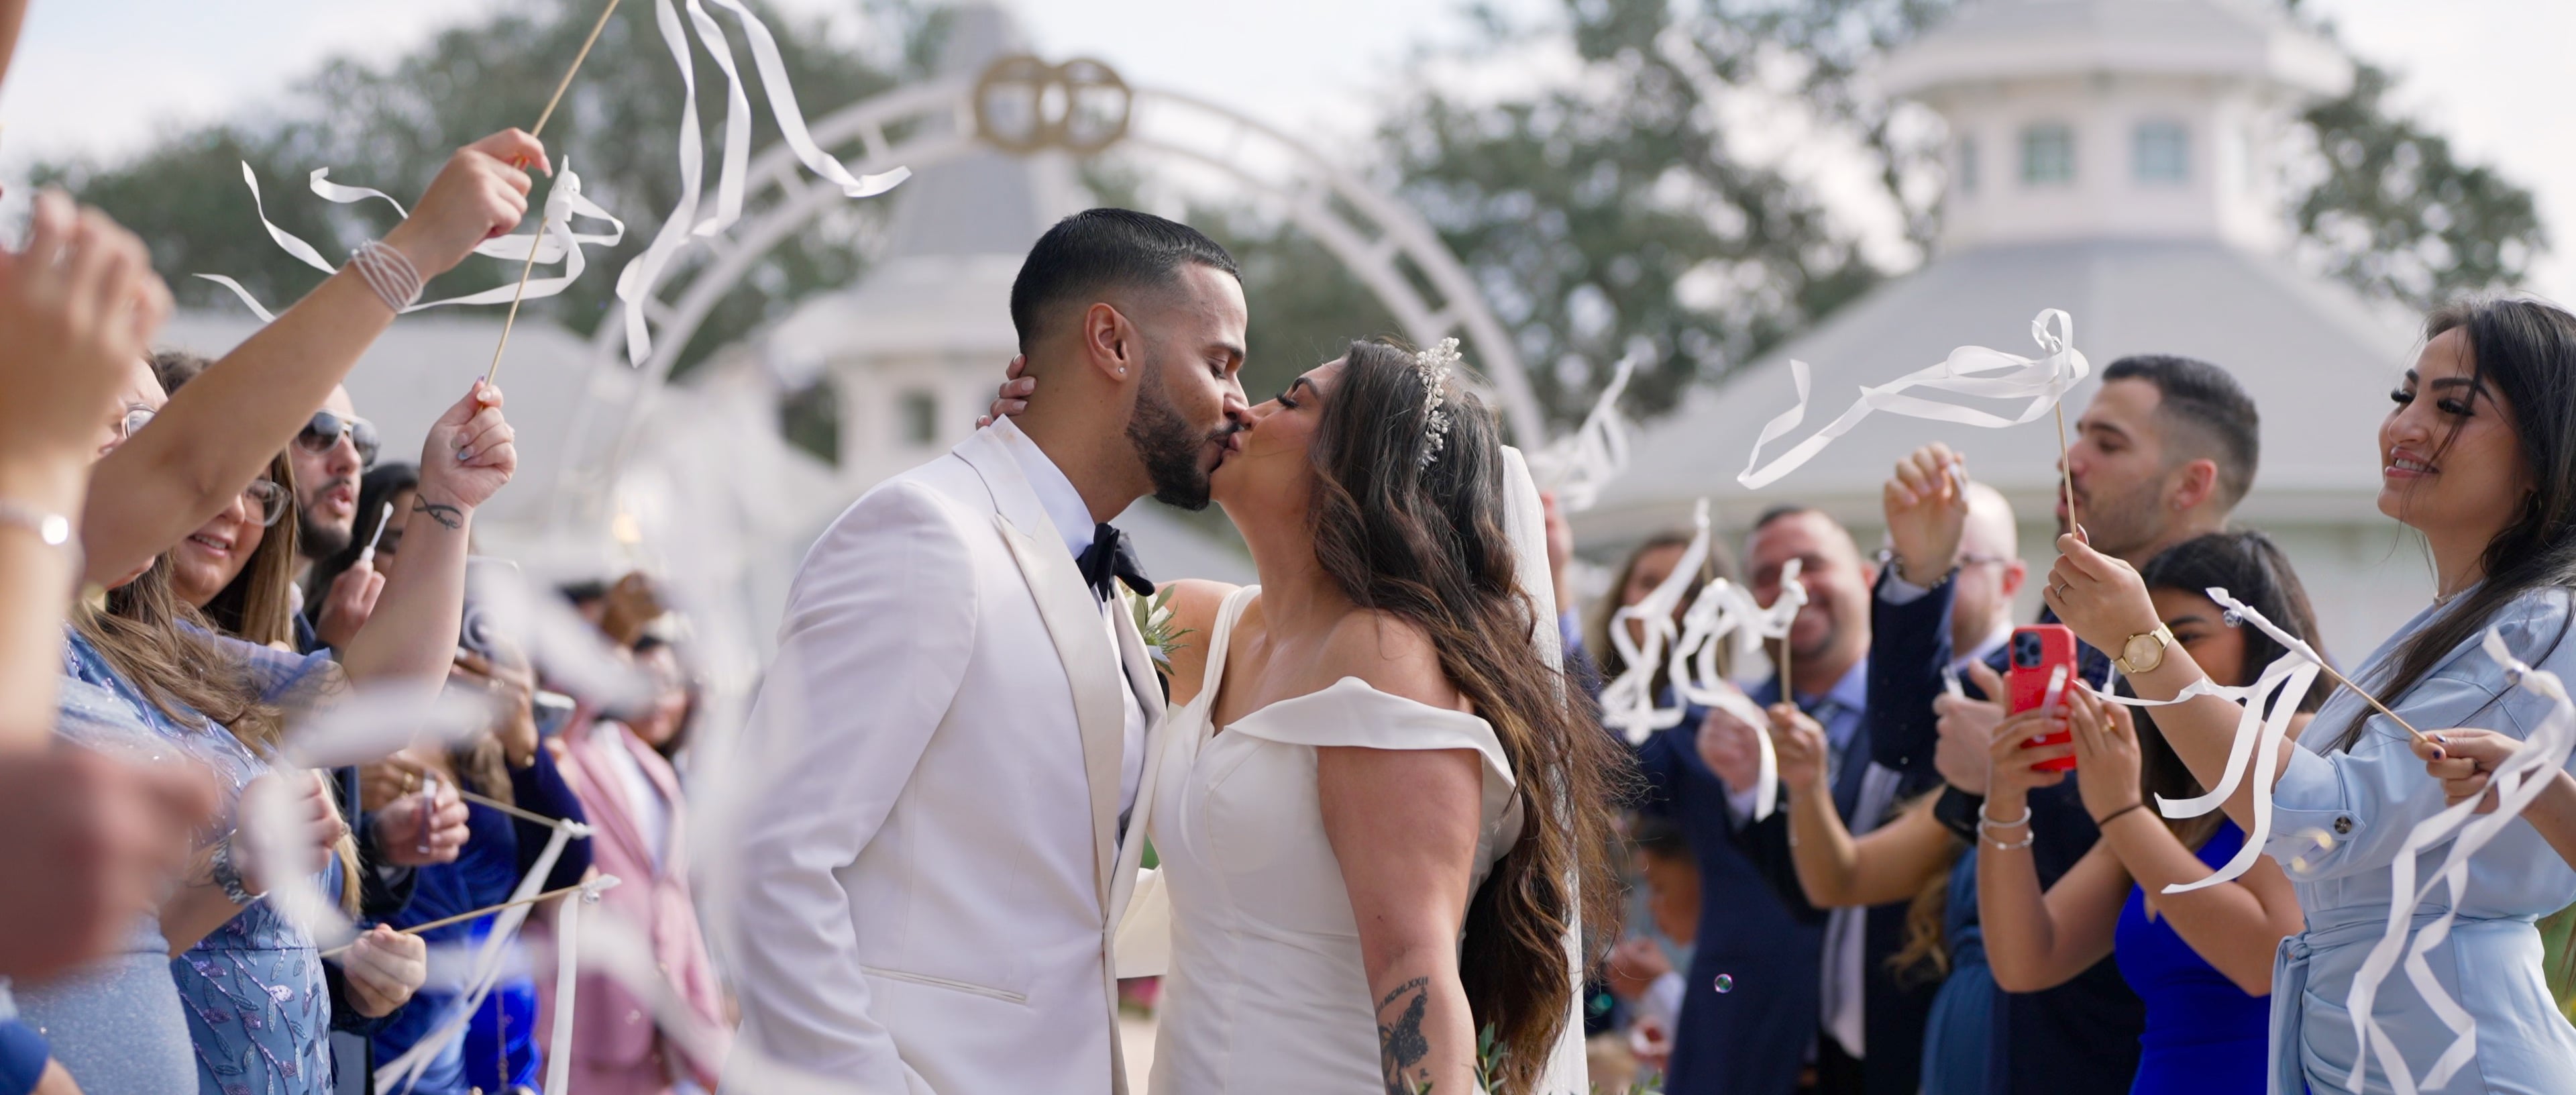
[2144, 652]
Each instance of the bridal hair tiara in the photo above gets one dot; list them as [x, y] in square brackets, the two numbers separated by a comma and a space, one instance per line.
[1434, 365]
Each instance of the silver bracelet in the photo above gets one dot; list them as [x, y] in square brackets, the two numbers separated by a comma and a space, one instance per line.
[1984, 819]
[389, 273]
[228, 877]
[2027, 836]
[52, 528]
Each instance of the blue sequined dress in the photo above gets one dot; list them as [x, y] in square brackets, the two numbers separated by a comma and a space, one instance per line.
[244, 1012]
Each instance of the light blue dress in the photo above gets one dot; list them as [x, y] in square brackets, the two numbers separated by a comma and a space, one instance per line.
[245, 1011]
[2368, 799]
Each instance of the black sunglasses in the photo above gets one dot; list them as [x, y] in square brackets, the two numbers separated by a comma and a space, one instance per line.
[327, 429]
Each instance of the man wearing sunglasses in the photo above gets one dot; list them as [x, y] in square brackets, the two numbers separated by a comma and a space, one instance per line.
[335, 448]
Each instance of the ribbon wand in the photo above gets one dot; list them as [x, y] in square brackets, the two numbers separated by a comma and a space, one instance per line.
[537, 242]
[585, 888]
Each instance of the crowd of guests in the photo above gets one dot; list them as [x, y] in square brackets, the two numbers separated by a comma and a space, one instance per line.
[199, 558]
[1940, 905]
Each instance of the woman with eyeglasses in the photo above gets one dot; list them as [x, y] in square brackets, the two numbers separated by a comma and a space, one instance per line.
[142, 675]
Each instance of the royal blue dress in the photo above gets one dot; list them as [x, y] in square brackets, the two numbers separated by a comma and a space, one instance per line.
[499, 1049]
[2204, 1035]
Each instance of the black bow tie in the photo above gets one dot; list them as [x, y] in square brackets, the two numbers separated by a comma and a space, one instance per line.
[1111, 556]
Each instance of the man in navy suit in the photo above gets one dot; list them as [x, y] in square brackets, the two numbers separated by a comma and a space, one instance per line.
[1777, 988]
[2167, 448]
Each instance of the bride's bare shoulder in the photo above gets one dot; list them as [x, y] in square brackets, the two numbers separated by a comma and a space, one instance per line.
[1394, 655]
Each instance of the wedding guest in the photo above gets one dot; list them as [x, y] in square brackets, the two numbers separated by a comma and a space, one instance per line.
[137, 678]
[1647, 566]
[2163, 453]
[77, 303]
[393, 483]
[1642, 969]
[1796, 976]
[2478, 455]
[620, 770]
[505, 763]
[2202, 961]
[331, 452]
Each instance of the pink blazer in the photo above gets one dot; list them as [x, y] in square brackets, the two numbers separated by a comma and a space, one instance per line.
[613, 1029]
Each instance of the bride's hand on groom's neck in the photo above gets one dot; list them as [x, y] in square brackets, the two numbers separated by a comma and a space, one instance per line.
[1013, 396]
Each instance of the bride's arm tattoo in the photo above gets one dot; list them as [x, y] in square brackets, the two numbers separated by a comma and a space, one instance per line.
[448, 516]
[1400, 1044]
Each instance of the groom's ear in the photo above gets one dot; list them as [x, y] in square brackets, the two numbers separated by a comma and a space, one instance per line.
[1110, 344]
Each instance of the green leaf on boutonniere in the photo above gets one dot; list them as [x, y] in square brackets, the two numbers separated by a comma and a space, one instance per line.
[1153, 617]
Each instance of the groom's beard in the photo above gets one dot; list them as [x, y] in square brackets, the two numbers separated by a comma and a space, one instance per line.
[1170, 446]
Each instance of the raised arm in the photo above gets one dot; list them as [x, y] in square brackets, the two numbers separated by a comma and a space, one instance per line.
[879, 631]
[1890, 864]
[411, 635]
[1927, 514]
[2235, 926]
[77, 307]
[223, 428]
[2035, 939]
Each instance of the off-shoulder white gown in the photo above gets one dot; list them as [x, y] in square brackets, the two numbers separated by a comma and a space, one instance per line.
[1266, 992]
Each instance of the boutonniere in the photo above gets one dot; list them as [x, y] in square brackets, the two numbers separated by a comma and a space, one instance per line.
[1154, 623]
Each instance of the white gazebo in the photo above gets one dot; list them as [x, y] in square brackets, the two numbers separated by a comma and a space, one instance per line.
[2118, 159]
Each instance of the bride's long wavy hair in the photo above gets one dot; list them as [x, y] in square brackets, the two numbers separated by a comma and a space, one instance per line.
[1428, 544]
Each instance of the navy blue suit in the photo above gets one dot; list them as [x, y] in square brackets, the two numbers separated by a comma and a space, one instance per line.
[1757, 930]
[2080, 1038]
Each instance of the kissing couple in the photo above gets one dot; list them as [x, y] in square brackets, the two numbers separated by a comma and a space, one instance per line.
[1382, 809]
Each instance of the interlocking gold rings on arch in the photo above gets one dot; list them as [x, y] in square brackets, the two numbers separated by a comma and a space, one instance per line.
[1024, 105]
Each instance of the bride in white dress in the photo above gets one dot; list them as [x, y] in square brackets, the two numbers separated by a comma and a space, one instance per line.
[1381, 814]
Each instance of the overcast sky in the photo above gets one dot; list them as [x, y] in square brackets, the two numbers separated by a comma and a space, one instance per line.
[104, 76]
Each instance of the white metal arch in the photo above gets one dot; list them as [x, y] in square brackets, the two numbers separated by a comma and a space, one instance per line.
[1314, 196]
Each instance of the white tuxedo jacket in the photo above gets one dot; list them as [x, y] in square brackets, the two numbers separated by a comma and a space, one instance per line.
[932, 867]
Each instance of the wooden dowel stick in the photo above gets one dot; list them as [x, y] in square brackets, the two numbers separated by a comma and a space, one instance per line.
[547, 115]
[462, 917]
[513, 811]
[2066, 475]
[2370, 699]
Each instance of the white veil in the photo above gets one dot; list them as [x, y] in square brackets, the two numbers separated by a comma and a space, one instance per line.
[1526, 524]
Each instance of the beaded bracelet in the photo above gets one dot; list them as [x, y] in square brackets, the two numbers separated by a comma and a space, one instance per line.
[389, 273]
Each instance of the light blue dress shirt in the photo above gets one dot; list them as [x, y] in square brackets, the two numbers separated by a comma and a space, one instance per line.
[2368, 799]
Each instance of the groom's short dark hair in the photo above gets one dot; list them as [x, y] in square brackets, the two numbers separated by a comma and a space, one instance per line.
[1099, 249]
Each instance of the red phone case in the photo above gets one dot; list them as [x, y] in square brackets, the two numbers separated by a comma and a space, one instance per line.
[2029, 683]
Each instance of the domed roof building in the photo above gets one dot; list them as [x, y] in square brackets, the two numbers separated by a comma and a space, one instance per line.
[2121, 160]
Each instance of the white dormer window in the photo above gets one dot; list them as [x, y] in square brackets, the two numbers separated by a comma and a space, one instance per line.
[2047, 154]
[1967, 166]
[920, 412]
[2160, 153]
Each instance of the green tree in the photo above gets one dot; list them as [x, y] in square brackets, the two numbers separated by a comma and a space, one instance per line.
[1606, 209]
[392, 125]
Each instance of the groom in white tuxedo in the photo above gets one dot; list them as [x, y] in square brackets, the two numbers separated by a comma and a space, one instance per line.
[957, 729]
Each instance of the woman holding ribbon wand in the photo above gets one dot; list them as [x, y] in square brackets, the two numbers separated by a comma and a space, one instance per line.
[2479, 455]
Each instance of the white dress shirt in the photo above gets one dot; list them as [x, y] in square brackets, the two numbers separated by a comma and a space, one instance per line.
[1072, 518]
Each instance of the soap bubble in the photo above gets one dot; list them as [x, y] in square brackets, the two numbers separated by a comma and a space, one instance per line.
[1725, 984]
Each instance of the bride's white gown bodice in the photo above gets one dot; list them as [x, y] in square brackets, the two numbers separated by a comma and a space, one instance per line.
[1267, 991]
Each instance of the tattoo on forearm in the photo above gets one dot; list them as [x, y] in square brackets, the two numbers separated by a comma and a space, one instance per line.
[1400, 1044]
[449, 516]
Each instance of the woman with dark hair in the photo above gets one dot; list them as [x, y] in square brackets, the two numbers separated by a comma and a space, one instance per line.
[1379, 757]
[392, 483]
[2202, 961]
[1647, 567]
[2479, 455]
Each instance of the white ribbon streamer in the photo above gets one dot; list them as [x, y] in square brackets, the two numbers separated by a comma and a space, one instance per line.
[2269, 704]
[2043, 381]
[1628, 702]
[406, 1070]
[635, 283]
[2516, 783]
[564, 201]
[567, 981]
[1578, 465]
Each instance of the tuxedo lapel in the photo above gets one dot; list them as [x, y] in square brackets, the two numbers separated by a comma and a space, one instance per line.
[1074, 624]
[1140, 678]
